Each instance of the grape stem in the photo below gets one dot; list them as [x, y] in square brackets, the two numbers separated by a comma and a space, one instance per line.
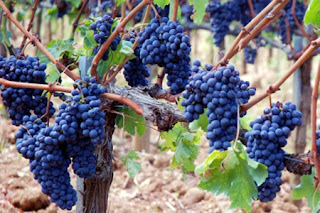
[24, 48]
[251, 8]
[30, 25]
[175, 10]
[146, 15]
[114, 34]
[53, 88]
[130, 6]
[35, 41]
[260, 26]
[314, 152]
[245, 30]
[238, 128]
[76, 20]
[156, 13]
[288, 39]
[48, 108]
[273, 88]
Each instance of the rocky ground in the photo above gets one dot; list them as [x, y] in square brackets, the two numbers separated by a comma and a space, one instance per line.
[156, 188]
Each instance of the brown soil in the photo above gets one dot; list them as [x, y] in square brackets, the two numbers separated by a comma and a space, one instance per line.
[156, 188]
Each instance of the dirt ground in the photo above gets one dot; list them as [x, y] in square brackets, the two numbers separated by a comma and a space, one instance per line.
[156, 188]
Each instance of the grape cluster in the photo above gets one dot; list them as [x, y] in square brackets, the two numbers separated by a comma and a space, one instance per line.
[102, 30]
[234, 10]
[196, 95]
[287, 19]
[22, 101]
[166, 45]
[163, 12]
[78, 128]
[105, 5]
[259, 5]
[63, 8]
[265, 141]
[187, 11]
[221, 92]
[221, 17]
[250, 54]
[48, 162]
[135, 72]
[243, 12]
[244, 91]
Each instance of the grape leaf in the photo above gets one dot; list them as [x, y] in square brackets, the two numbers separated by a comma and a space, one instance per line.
[75, 3]
[161, 3]
[244, 122]
[184, 144]
[52, 72]
[230, 172]
[132, 166]
[102, 68]
[187, 151]
[88, 41]
[131, 124]
[306, 189]
[56, 48]
[202, 123]
[51, 13]
[312, 15]
[258, 171]
[123, 50]
[200, 10]
[119, 2]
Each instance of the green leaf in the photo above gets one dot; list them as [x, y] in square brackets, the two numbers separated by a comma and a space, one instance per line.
[212, 161]
[187, 151]
[245, 122]
[132, 166]
[184, 144]
[312, 15]
[21, 14]
[200, 9]
[52, 72]
[306, 189]
[161, 3]
[75, 3]
[202, 123]
[123, 50]
[119, 2]
[132, 122]
[258, 171]
[242, 188]
[232, 172]
[102, 67]
[57, 48]
[51, 13]
[171, 137]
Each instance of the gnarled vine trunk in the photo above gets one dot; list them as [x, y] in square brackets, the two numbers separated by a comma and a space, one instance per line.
[94, 197]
